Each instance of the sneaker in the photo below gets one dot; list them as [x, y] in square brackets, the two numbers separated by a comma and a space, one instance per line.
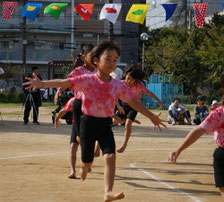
[36, 123]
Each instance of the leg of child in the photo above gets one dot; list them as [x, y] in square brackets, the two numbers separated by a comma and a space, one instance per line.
[109, 173]
[74, 148]
[97, 149]
[222, 191]
[127, 134]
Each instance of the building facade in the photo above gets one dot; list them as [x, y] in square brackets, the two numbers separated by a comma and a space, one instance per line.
[47, 39]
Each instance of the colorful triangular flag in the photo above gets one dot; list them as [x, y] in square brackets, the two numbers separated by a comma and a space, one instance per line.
[223, 5]
[137, 13]
[110, 12]
[170, 8]
[200, 12]
[8, 8]
[85, 10]
[55, 9]
[30, 10]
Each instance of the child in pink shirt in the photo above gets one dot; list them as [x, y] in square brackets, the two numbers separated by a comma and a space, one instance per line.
[100, 92]
[214, 123]
[133, 76]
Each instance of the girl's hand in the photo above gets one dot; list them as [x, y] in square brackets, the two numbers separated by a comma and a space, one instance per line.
[157, 122]
[33, 83]
[121, 150]
[173, 156]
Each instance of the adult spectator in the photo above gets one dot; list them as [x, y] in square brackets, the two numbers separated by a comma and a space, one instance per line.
[200, 111]
[215, 104]
[177, 113]
[32, 99]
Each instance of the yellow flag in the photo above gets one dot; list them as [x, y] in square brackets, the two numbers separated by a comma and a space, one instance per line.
[137, 13]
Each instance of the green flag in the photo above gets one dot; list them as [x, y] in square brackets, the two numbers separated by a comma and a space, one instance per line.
[55, 9]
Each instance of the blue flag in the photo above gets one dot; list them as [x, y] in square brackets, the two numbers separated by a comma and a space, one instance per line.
[170, 8]
[223, 5]
[30, 10]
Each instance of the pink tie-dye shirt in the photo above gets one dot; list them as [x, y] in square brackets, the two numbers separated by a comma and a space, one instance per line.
[98, 97]
[138, 88]
[69, 104]
[78, 71]
[214, 122]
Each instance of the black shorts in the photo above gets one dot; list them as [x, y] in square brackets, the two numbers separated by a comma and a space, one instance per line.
[218, 164]
[129, 112]
[77, 112]
[94, 129]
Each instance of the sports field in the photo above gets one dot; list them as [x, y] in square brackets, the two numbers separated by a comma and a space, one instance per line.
[34, 164]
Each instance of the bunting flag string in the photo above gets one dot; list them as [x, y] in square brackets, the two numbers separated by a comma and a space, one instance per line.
[30, 10]
[110, 12]
[85, 10]
[200, 12]
[8, 8]
[169, 8]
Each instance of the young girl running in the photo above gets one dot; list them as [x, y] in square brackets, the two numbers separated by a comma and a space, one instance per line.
[99, 94]
[133, 76]
[86, 68]
[214, 123]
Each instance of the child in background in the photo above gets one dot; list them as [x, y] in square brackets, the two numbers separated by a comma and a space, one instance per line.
[86, 67]
[214, 105]
[100, 92]
[214, 123]
[133, 76]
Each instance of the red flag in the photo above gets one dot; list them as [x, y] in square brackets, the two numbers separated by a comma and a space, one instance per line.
[8, 8]
[200, 12]
[85, 10]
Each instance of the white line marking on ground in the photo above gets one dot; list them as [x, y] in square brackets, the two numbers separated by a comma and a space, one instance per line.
[33, 155]
[133, 165]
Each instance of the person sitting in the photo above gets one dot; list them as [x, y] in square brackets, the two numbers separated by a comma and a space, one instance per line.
[215, 104]
[200, 111]
[177, 113]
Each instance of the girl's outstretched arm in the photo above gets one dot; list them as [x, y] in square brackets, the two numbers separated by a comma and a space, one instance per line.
[192, 136]
[55, 83]
[153, 96]
[154, 118]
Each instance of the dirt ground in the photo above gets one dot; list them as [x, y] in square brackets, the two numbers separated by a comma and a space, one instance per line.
[34, 164]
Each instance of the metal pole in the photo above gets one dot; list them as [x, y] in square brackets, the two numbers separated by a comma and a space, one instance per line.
[72, 26]
[143, 55]
[110, 28]
[24, 42]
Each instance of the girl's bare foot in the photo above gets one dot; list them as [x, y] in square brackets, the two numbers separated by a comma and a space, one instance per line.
[110, 196]
[83, 173]
[72, 176]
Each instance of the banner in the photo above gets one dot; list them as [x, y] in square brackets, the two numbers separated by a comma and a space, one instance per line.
[55, 9]
[8, 8]
[110, 12]
[30, 10]
[169, 8]
[137, 13]
[200, 12]
[85, 10]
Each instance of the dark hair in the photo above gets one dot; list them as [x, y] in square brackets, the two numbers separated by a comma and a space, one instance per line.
[85, 50]
[100, 48]
[176, 98]
[135, 71]
[34, 67]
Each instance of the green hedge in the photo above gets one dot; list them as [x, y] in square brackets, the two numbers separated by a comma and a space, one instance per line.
[7, 97]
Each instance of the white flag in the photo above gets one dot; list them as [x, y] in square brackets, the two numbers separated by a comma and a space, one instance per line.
[110, 12]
